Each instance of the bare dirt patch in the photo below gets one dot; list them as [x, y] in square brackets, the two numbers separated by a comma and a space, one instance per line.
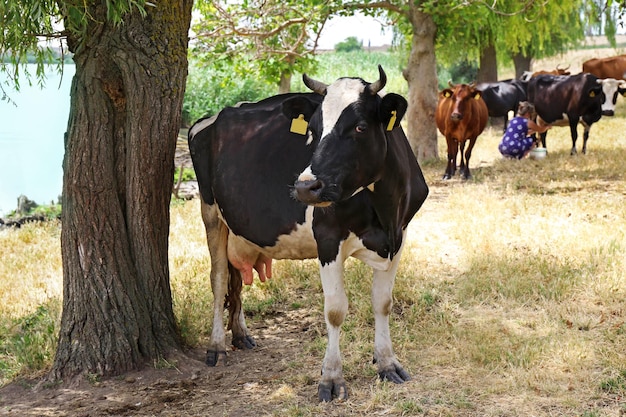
[250, 384]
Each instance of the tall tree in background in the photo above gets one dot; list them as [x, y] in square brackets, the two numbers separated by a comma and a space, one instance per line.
[547, 31]
[126, 97]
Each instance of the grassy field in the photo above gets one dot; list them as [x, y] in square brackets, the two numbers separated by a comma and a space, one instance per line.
[510, 299]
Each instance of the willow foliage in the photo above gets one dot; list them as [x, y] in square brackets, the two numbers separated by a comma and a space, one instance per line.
[30, 28]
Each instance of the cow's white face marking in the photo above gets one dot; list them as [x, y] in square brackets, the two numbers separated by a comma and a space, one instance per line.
[306, 175]
[339, 96]
[609, 88]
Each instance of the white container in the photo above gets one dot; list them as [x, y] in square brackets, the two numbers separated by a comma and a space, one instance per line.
[538, 153]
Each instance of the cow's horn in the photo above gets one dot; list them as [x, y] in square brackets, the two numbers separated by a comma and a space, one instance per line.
[314, 85]
[376, 86]
[450, 84]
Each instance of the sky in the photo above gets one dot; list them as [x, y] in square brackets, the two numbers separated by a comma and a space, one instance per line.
[364, 28]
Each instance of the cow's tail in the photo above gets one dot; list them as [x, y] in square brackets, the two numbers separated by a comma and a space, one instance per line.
[233, 297]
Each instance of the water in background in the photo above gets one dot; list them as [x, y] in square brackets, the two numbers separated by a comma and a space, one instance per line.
[31, 139]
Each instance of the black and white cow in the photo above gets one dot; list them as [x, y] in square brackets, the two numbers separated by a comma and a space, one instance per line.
[328, 174]
[568, 100]
[503, 96]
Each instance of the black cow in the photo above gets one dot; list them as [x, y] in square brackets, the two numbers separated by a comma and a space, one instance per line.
[504, 96]
[341, 151]
[566, 100]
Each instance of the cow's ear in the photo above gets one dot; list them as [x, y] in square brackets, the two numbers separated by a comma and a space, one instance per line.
[595, 91]
[391, 110]
[447, 93]
[477, 94]
[295, 106]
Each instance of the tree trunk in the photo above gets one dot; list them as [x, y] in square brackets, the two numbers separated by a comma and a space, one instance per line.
[522, 64]
[285, 83]
[488, 70]
[126, 101]
[421, 75]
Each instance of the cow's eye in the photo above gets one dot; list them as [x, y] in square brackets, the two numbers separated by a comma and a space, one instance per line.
[360, 128]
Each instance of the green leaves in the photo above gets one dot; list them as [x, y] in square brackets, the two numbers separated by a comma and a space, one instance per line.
[272, 38]
[30, 28]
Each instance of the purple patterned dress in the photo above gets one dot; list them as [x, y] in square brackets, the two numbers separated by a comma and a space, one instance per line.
[516, 142]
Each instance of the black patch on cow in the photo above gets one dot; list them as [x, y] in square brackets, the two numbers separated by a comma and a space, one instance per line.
[259, 160]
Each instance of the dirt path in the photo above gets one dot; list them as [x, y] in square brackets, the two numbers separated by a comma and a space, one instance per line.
[246, 386]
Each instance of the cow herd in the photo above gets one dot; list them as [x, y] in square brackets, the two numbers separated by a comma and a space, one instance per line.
[330, 175]
[560, 99]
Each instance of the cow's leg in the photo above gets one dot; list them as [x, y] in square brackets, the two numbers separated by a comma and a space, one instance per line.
[462, 152]
[585, 137]
[543, 139]
[332, 384]
[573, 130]
[388, 366]
[465, 171]
[453, 147]
[217, 236]
[236, 319]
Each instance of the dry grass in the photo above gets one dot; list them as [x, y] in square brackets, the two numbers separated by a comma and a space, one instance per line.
[509, 299]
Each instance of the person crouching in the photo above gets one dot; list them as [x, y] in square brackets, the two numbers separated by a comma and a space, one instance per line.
[517, 140]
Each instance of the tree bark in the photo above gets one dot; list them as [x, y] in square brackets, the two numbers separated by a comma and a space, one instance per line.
[285, 83]
[126, 101]
[488, 69]
[421, 76]
[522, 64]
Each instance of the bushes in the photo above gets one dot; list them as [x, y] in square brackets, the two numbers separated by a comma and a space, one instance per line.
[349, 45]
[209, 90]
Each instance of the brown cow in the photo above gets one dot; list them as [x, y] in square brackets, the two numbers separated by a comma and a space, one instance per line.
[461, 115]
[611, 67]
[558, 71]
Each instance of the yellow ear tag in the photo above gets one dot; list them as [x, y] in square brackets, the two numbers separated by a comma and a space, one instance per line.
[592, 94]
[299, 125]
[392, 121]
[447, 94]
[477, 96]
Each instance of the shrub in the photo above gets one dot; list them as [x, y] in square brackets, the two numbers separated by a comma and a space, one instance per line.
[349, 45]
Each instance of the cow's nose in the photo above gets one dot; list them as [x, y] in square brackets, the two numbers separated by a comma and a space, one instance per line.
[456, 116]
[308, 191]
[608, 113]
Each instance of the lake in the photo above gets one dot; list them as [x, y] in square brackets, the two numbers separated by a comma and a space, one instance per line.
[31, 138]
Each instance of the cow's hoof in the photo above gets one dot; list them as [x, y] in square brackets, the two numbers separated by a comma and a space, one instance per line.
[327, 391]
[244, 342]
[447, 176]
[215, 357]
[394, 374]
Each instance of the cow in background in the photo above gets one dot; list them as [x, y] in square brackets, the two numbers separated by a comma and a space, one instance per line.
[527, 75]
[567, 101]
[461, 116]
[504, 96]
[611, 67]
[328, 174]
